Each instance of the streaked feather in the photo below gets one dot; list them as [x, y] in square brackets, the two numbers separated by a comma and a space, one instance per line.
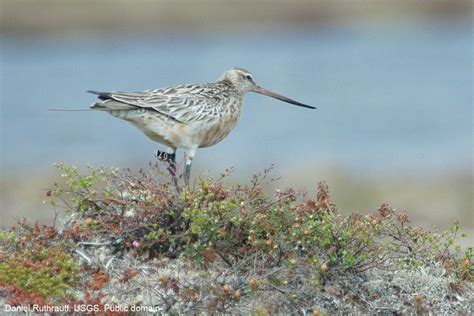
[183, 103]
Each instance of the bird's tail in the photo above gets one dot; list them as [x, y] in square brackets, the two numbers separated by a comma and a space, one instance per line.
[98, 106]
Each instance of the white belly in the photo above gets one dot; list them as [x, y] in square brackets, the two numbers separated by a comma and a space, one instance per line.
[173, 134]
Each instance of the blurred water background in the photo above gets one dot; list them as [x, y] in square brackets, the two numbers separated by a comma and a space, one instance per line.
[394, 97]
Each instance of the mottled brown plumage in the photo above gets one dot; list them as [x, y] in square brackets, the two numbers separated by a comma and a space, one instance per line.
[186, 116]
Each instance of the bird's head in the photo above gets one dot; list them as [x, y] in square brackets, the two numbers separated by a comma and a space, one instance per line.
[243, 81]
[240, 78]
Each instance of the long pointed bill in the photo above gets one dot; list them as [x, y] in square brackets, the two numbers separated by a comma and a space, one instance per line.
[272, 94]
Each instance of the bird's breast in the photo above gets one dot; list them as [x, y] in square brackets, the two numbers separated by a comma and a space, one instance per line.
[213, 131]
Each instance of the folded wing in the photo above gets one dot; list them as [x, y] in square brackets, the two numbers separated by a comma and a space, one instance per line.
[183, 103]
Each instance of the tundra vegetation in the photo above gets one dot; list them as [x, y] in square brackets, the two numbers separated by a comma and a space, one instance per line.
[130, 239]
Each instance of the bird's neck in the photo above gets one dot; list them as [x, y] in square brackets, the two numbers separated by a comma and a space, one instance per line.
[228, 85]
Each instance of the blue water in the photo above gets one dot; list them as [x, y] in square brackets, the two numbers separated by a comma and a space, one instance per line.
[389, 99]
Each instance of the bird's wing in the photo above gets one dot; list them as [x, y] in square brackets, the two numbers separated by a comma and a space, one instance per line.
[183, 103]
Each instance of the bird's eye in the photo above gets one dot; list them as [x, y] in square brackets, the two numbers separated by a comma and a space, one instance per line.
[248, 77]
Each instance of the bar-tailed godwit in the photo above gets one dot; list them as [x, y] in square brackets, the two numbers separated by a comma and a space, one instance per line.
[188, 116]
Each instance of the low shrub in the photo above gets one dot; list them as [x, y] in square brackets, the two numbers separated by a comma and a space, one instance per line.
[238, 244]
[236, 223]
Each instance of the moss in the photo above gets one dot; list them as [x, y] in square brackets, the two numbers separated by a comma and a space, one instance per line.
[37, 263]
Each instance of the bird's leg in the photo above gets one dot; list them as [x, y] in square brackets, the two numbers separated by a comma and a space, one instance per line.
[187, 169]
[166, 156]
[170, 160]
[187, 173]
